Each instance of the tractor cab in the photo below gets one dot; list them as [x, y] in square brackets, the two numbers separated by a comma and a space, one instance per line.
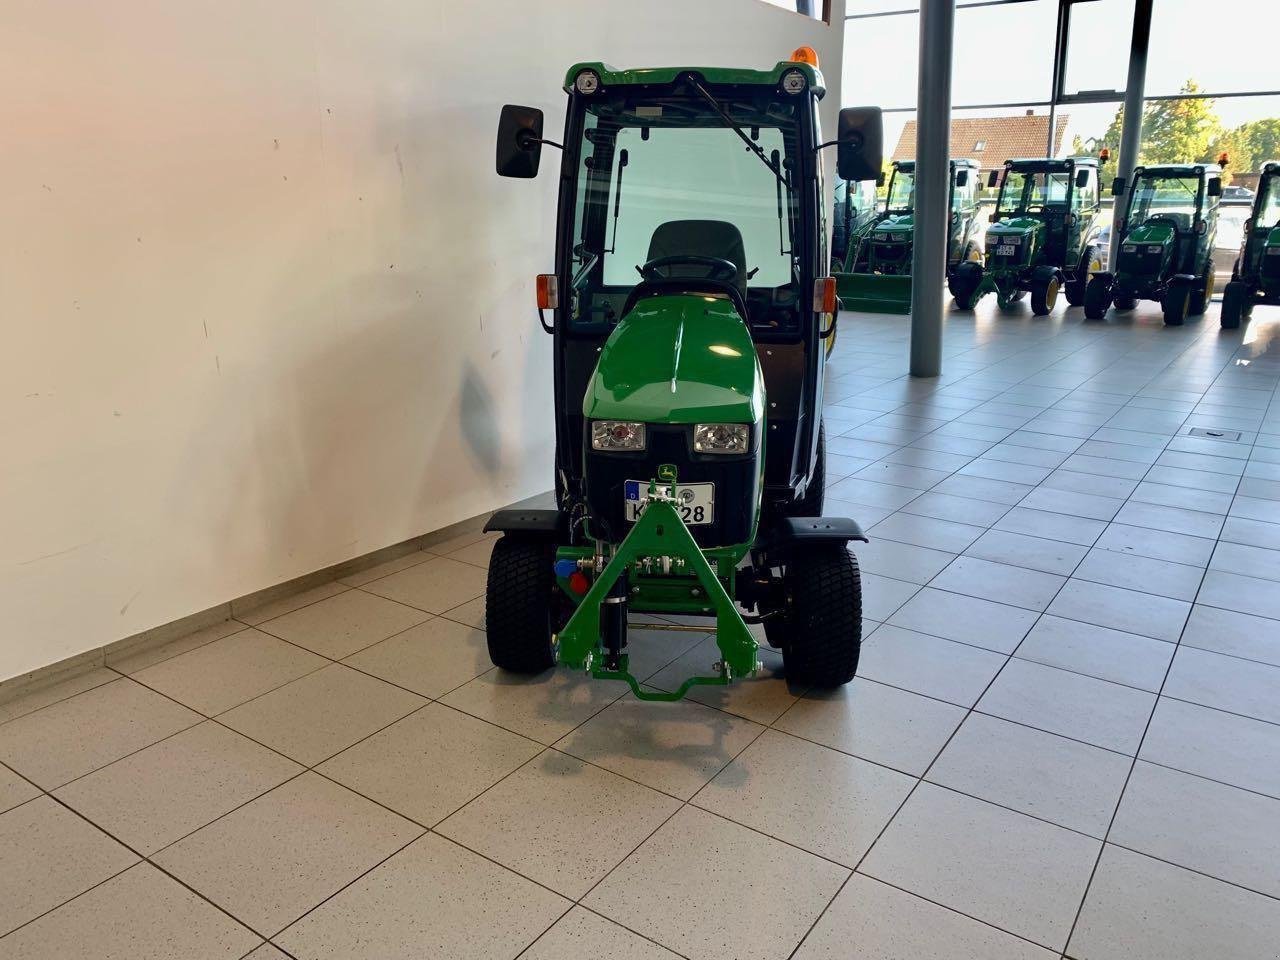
[691, 312]
[1168, 228]
[1256, 277]
[1039, 241]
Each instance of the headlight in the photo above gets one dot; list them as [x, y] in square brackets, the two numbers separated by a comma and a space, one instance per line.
[617, 435]
[587, 82]
[721, 437]
[1011, 238]
[793, 82]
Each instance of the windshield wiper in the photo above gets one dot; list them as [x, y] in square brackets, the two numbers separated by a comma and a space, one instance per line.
[729, 122]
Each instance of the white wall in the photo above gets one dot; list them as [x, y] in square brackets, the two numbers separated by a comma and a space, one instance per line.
[265, 305]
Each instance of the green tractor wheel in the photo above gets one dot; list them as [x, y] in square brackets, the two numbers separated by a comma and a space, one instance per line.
[1125, 302]
[519, 605]
[1097, 298]
[1045, 284]
[821, 633]
[964, 282]
[1235, 304]
[810, 505]
[1090, 263]
[1202, 293]
[1176, 302]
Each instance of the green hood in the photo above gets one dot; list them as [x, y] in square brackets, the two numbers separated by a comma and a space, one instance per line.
[1150, 233]
[1015, 226]
[678, 359]
[897, 223]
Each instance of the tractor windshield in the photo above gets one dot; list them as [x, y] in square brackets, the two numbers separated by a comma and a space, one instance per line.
[1030, 192]
[1173, 197]
[665, 175]
[1269, 206]
[902, 192]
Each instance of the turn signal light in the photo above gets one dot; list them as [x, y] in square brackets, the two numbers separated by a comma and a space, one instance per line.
[548, 291]
[1223, 158]
[1104, 155]
[804, 55]
[824, 295]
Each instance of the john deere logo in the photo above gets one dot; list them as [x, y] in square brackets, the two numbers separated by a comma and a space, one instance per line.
[667, 472]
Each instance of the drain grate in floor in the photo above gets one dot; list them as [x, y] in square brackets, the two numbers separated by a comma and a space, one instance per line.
[1215, 434]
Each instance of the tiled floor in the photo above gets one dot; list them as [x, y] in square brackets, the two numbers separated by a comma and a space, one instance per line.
[1064, 739]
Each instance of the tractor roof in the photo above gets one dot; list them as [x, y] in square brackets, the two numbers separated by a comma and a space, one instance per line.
[1271, 166]
[729, 76]
[1179, 169]
[957, 162]
[1050, 163]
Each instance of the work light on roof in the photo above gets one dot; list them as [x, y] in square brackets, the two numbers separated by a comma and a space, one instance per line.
[793, 82]
[587, 82]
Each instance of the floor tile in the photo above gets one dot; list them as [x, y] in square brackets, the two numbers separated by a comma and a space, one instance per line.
[690, 884]
[386, 568]
[883, 724]
[1247, 561]
[1105, 467]
[534, 822]
[901, 561]
[870, 920]
[972, 620]
[430, 659]
[50, 855]
[476, 553]
[1034, 553]
[1251, 595]
[1094, 711]
[49, 693]
[272, 860]
[88, 731]
[320, 714]
[1256, 508]
[1206, 501]
[219, 675]
[1085, 505]
[341, 625]
[1255, 533]
[672, 747]
[130, 661]
[929, 459]
[881, 596]
[1210, 743]
[926, 532]
[815, 798]
[434, 586]
[1100, 652]
[1090, 483]
[1237, 634]
[1128, 610]
[282, 605]
[1142, 909]
[1051, 526]
[1017, 873]
[762, 698]
[943, 669]
[1157, 544]
[470, 613]
[14, 790]
[1000, 582]
[431, 763]
[543, 707]
[1145, 574]
[1072, 784]
[957, 509]
[1196, 479]
[859, 490]
[1174, 519]
[1205, 826]
[980, 488]
[431, 893]
[903, 474]
[992, 469]
[583, 935]
[160, 794]
[140, 915]
[1012, 453]
[1227, 683]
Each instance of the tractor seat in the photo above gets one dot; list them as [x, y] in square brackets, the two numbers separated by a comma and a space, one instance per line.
[701, 238]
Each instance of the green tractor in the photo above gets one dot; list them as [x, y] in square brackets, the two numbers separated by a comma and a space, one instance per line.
[1042, 238]
[691, 315]
[1256, 277]
[877, 274]
[855, 211]
[1166, 251]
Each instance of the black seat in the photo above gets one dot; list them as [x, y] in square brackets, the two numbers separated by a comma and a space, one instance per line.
[700, 238]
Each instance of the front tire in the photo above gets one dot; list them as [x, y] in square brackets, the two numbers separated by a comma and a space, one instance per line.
[1090, 263]
[821, 632]
[1097, 298]
[518, 605]
[1235, 298]
[1044, 292]
[963, 284]
[1203, 292]
[1176, 303]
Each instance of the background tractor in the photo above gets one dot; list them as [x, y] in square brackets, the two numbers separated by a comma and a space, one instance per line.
[855, 210]
[1256, 277]
[1166, 252]
[691, 315]
[877, 274]
[1042, 238]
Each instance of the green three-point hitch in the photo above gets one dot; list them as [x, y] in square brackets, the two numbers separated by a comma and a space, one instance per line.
[691, 313]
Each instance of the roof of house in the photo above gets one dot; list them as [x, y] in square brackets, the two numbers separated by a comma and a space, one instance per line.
[1001, 138]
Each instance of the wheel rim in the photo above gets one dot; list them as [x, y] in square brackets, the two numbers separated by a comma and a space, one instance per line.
[1208, 285]
[1051, 293]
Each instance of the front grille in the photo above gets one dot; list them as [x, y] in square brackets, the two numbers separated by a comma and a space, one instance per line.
[1141, 259]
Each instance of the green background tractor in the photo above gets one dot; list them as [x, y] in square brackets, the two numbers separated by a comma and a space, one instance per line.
[1042, 238]
[1166, 252]
[877, 275]
[1256, 278]
[855, 210]
[691, 315]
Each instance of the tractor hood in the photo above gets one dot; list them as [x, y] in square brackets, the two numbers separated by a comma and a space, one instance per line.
[1146, 251]
[1015, 227]
[894, 228]
[1150, 233]
[684, 358]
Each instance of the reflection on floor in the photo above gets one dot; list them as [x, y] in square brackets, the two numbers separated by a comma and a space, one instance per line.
[1065, 738]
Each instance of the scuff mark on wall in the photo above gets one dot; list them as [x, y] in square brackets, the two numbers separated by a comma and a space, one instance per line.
[57, 553]
[125, 608]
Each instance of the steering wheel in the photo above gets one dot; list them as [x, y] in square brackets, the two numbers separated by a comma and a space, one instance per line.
[718, 268]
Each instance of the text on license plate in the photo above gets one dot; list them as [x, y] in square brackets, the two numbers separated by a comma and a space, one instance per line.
[1006, 250]
[697, 501]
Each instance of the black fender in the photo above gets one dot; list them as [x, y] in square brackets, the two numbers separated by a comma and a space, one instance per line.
[792, 530]
[531, 524]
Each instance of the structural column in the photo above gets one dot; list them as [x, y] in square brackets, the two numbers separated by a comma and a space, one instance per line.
[933, 182]
[1134, 93]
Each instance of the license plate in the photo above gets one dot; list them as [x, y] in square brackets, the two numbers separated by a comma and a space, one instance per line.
[1273, 252]
[697, 501]
[1006, 250]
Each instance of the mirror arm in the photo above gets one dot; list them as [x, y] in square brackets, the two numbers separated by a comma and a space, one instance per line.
[527, 139]
[542, 319]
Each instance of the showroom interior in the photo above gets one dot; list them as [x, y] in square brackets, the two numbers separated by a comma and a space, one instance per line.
[743, 480]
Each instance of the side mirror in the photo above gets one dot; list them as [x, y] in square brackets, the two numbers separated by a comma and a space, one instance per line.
[860, 146]
[1082, 179]
[1215, 186]
[993, 179]
[962, 178]
[519, 141]
[1117, 187]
